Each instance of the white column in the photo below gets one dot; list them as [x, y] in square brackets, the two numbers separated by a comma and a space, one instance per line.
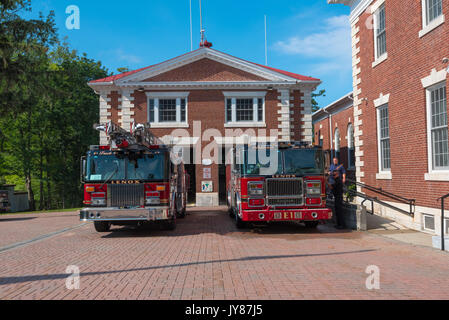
[127, 110]
[284, 112]
[105, 112]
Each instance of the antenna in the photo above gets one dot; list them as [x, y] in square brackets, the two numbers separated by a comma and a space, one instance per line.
[201, 25]
[191, 36]
[266, 45]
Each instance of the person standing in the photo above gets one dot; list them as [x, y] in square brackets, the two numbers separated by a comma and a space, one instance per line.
[341, 169]
[336, 187]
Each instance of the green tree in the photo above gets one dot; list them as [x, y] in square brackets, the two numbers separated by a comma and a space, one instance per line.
[22, 43]
[315, 106]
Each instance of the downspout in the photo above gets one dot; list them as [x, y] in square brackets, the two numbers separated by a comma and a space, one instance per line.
[330, 134]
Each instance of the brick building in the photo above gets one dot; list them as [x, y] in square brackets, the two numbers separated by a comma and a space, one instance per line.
[400, 71]
[334, 131]
[199, 100]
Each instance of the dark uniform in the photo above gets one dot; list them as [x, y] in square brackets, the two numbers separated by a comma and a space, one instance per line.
[337, 191]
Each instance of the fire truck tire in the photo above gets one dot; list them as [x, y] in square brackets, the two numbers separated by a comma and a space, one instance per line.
[231, 212]
[169, 225]
[182, 214]
[102, 226]
[239, 223]
[311, 224]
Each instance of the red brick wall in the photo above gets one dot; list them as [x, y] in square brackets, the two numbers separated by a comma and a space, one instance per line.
[208, 106]
[205, 70]
[340, 120]
[410, 59]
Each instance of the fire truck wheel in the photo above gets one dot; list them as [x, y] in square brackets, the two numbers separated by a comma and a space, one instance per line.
[239, 223]
[169, 225]
[102, 226]
[231, 212]
[182, 214]
[311, 224]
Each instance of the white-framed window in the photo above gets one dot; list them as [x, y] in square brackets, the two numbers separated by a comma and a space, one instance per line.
[245, 108]
[380, 34]
[337, 144]
[438, 146]
[351, 146]
[168, 109]
[428, 223]
[432, 15]
[383, 138]
[433, 9]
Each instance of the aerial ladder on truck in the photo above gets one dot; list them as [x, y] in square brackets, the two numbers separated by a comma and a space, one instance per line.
[132, 180]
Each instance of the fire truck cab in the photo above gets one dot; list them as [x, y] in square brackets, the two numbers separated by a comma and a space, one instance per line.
[132, 183]
[290, 187]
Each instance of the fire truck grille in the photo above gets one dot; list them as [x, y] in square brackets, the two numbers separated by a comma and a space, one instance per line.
[126, 195]
[285, 192]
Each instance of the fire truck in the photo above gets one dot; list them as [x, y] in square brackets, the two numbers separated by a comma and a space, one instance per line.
[133, 180]
[290, 187]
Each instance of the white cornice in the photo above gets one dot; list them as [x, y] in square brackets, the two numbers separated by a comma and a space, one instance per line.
[210, 84]
[209, 54]
[357, 7]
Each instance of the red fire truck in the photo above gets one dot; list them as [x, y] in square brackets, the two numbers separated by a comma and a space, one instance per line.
[292, 190]
[133, 180]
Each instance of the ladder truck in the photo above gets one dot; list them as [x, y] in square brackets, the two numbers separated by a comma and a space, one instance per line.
[133, 180]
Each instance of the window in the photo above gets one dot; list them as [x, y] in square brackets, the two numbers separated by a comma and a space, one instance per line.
[167, 108]
[245, 108]
[433, 9]
[383, 138]
[380, 34]
[337, 144]
[437, 103]
[432, 15]
[351, 146]
[428, 222]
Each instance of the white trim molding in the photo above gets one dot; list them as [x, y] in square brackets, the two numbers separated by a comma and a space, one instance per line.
[434, 78]
[154, 95]
[379, 60]
[233, 96]
[384, 175]
[178, 96]
[427, 27]
[441, 174]
[244, 94]
[383, 99]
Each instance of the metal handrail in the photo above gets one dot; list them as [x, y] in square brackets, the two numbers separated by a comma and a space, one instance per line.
[410, 202]
[374, 199]
[442, 219]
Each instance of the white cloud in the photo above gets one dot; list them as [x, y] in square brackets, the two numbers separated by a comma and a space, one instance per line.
[129, 58]
[330, 44]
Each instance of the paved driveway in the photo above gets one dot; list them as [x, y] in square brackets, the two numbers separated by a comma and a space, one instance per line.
[206, 257]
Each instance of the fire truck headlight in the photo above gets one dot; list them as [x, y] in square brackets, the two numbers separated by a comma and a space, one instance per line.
[313, 188]
[255, 188]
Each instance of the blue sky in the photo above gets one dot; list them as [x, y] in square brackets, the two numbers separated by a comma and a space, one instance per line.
[308, 37]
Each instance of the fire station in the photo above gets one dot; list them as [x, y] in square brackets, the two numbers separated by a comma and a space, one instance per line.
[195, 100]
[399, 111]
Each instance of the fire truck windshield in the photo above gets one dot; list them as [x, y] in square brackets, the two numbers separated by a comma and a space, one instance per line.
[303, 161]
[287, 161]
[107, 167]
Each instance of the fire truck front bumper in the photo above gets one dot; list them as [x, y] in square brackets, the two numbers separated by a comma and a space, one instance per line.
[272, 215]
[117, 214]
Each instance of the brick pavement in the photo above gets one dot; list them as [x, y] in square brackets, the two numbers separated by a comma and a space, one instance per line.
[206, 257]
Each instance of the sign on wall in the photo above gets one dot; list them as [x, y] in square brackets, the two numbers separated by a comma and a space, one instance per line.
[207, 186]
[207, 173]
